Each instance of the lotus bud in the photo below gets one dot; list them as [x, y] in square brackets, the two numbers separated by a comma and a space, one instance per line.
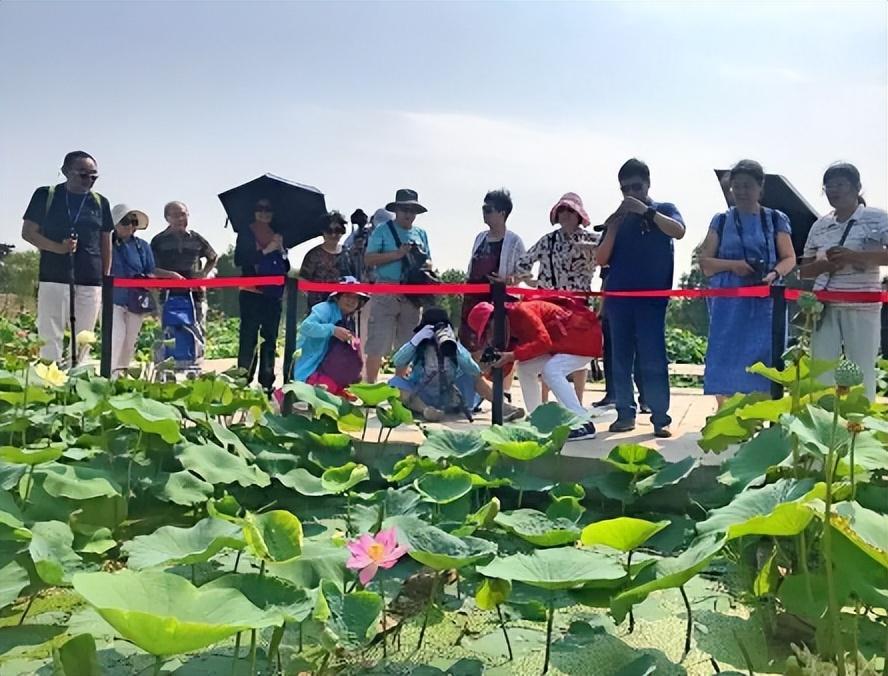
[85, 338]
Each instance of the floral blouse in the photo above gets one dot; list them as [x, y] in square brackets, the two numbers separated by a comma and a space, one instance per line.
[564, 262]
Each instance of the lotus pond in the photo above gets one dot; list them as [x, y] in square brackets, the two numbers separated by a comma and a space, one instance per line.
[189, 528]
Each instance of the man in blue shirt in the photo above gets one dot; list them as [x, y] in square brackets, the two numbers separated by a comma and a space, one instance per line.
[638, 248]
[392, 317]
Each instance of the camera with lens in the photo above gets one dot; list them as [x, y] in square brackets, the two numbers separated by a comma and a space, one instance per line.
[490, 356]
[759, 270]
[445, 339]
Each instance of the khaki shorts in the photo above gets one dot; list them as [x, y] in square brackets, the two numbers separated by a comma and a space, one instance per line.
[391, 324]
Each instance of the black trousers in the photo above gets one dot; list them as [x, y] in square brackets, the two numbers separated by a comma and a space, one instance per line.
[608, 357]
[260, 316]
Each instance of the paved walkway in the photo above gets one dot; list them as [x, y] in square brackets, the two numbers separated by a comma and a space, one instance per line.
[689, 409]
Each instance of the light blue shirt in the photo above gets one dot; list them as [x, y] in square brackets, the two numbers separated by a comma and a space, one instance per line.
[381, 241]
[409, 355]
[313, 339]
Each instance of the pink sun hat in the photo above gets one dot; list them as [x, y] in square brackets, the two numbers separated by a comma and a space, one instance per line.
[479, 317]
[575, 203]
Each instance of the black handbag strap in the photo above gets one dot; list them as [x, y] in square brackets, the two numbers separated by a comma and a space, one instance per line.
[842, 239]
[553, 236]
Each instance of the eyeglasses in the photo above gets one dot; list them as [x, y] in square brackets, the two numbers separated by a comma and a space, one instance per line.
[631, 187]
[86, 175]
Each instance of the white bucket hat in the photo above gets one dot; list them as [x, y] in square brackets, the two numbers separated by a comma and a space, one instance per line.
[121, 210]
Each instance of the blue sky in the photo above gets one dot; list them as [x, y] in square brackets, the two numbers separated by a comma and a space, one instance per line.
[183, 100]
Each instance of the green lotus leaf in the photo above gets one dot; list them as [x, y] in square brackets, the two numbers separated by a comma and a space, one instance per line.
[52, 554]
[568, 490]
[668, 475]
[768, 577]
[350, 421]
[566, 507]
[794, 594]
[320, 560]
[769, 410]
[558, 568]
[268, 593]
[814, 429]
[725, 428]
[217, 466]
[13, 578]
[321, 401]
[537, 528]
[97, 542]
[226, 508]
[393, 415]
[77, 657]
[273, 536]
[228, 438]
[635, 459]
[670, 573]
[520, 442]
[164, 614]
[170, 545]
[778, 509]
[77, 482]
[492, 592]
[483, 518]
[623, 533]
[183, 488]
[409, 467]
[277, 464]
[439, 550]
[93, 390]
[11, 517]
[755, 457]
[291, 427]
[552, 417]
[445, 485]
[373, 394]
[864, 576]
[31, 455]
[147, 415]
[445, 443]
[35, 395]
[332, 482]
[352, 619]
[18, 637]
[865, 528]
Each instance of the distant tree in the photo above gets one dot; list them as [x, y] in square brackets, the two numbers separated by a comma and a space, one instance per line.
[18, 278]
[453, 304]
[690, 313]
[225, 300]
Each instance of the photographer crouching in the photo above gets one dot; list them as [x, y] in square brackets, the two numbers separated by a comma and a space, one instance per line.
[443, 378]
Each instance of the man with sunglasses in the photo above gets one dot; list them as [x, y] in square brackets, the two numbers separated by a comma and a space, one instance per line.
[638, 247]
[71, 226]
[392, 317]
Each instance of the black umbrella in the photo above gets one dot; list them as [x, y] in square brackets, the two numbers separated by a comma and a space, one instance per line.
[780, 194]
[297, 208]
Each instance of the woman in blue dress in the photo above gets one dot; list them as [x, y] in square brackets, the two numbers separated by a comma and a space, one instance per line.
[748, 245]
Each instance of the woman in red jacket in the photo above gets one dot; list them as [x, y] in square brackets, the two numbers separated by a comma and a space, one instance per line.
[548, 339]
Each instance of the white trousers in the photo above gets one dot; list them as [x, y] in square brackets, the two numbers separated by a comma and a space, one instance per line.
[854, 331]
[554, 368]
[53, 317]
[124, 336]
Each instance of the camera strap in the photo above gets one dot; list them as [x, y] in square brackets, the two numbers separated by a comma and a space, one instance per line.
[398, 244]
[848, 226]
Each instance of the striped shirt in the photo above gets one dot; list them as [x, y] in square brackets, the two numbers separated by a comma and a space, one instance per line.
[868, 232]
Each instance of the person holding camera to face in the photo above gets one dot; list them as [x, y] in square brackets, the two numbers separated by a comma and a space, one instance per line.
[399, 251]
[746, 245]
[71, 225]
[638, 248]
[443, 378]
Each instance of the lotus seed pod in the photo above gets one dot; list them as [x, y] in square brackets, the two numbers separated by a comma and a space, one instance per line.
[848, 374]
[809, 304]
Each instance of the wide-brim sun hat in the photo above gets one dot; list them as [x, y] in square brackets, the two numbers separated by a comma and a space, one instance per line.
[572, 201]
[381, 216]
[405, 197]
[364, 297]
[121, 210]
[479, 318]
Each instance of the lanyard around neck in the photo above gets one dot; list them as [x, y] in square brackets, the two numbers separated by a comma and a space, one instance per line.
[73, 220]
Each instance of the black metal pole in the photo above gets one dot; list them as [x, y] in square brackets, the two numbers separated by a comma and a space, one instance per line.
[290, 327]
[498, 296]
[778, 333]
[72, 321]
[107, 325]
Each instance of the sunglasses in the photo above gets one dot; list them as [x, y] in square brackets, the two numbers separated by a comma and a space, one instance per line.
[133, 221]
[631, 187]
[264, 208]
[86, 175]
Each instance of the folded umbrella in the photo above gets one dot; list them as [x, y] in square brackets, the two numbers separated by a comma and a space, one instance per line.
[297, 208]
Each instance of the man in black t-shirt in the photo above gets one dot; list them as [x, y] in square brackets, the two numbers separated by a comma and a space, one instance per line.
[71, 226]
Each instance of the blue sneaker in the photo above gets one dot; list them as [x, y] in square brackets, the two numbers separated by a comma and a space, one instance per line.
[587, 431]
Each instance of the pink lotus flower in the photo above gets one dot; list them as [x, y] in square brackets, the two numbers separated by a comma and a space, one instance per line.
[370, 552]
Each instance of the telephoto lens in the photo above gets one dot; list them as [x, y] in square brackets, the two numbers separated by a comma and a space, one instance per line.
[445, 339]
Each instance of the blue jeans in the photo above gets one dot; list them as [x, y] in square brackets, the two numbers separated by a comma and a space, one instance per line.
[638, 334]
[431, 396]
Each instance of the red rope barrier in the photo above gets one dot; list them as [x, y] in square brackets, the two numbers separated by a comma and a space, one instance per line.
[214, 283]
[450, 289]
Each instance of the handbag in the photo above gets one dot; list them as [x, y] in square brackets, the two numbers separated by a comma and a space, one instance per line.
[343, 362]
